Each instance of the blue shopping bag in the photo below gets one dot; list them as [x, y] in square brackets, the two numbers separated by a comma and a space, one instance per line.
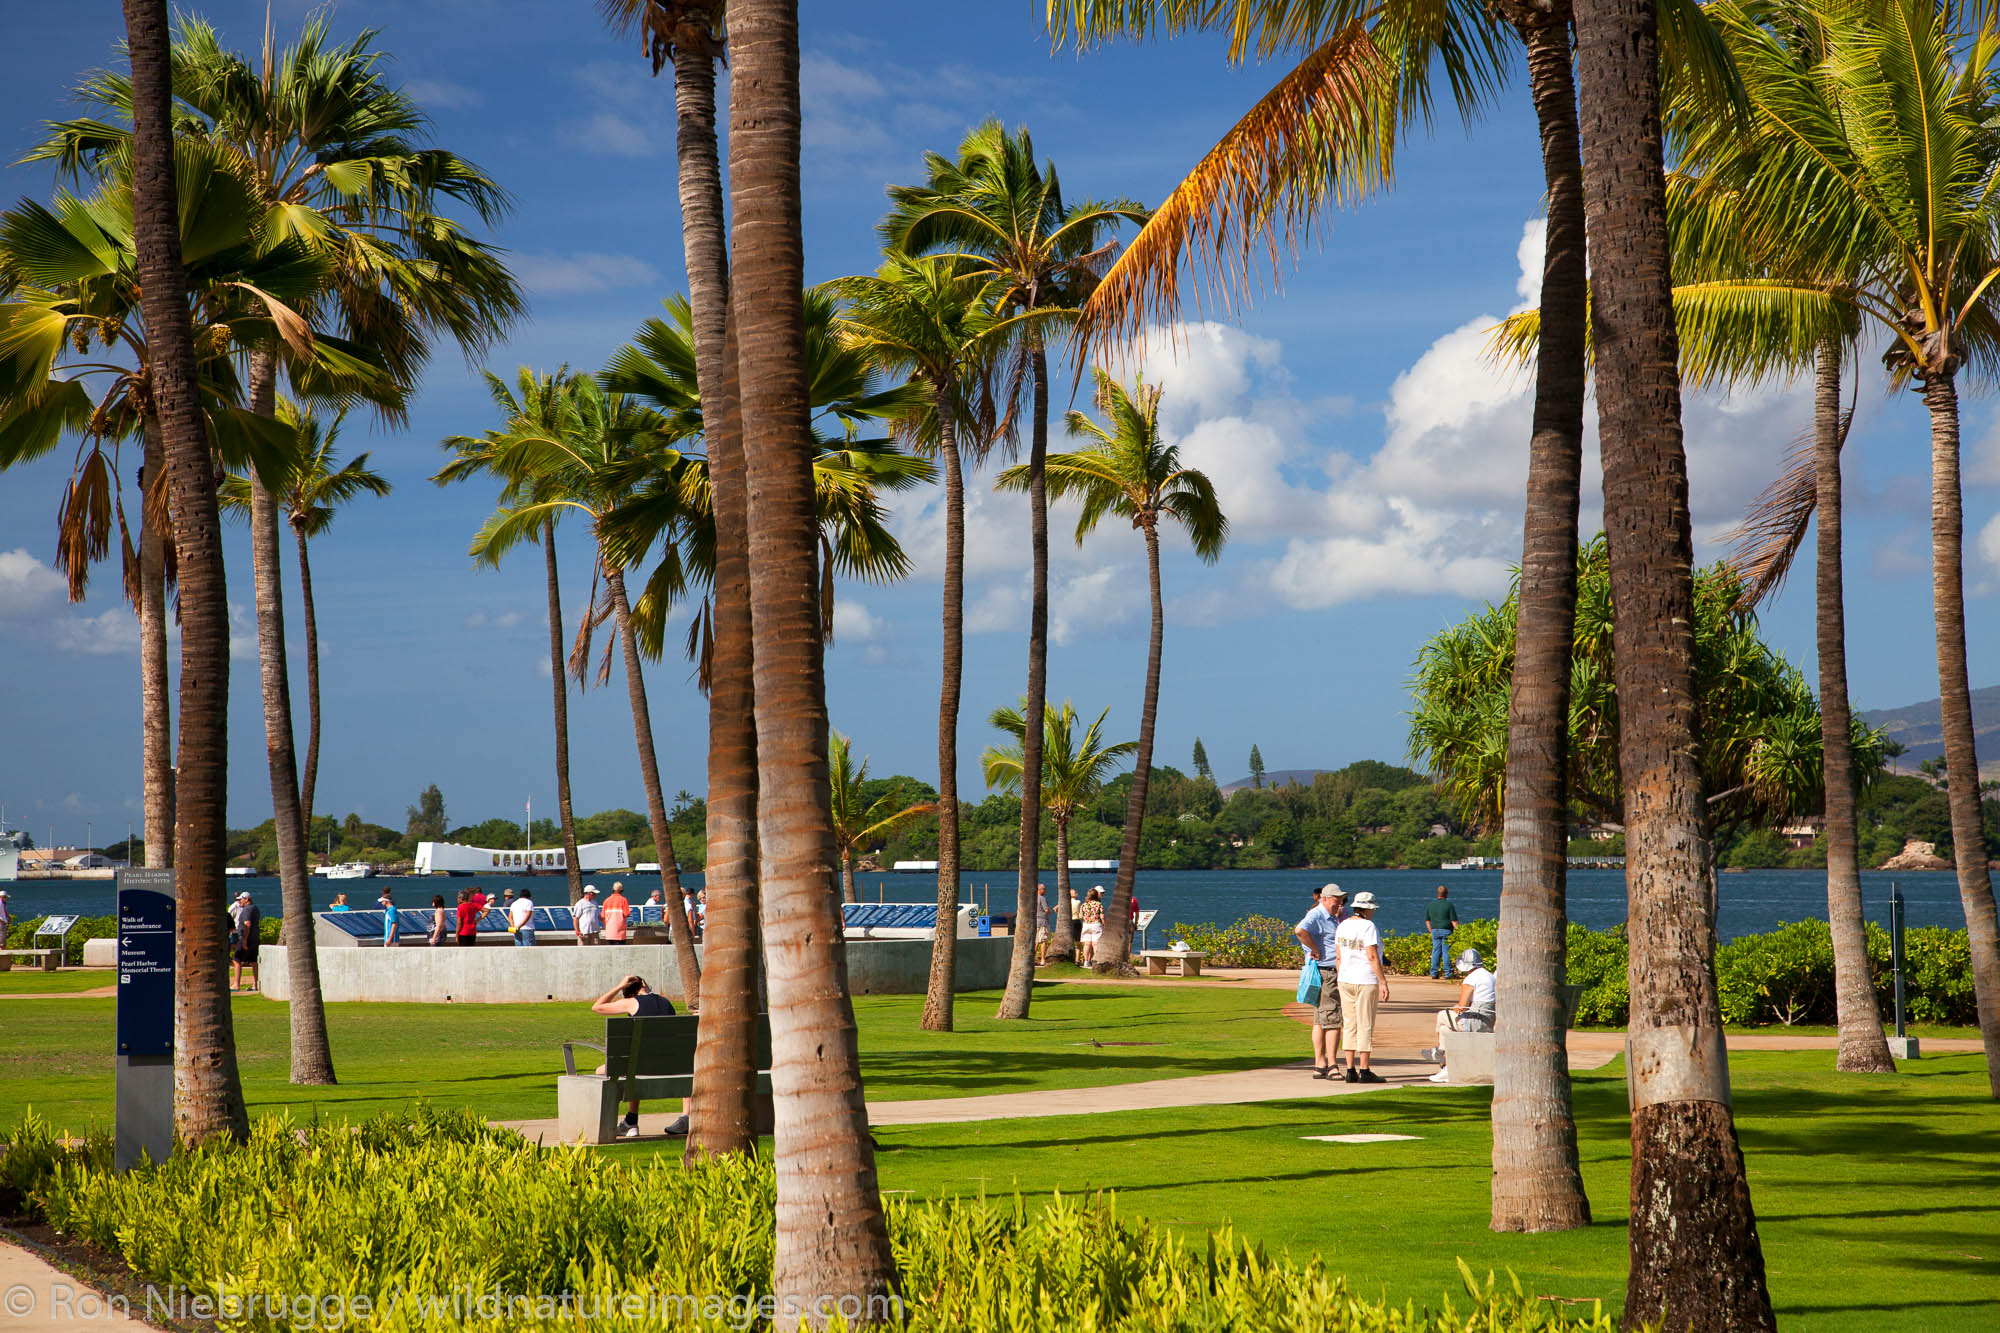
[1309, 982]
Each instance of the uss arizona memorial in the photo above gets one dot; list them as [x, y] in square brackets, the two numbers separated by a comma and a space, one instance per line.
[451, 858]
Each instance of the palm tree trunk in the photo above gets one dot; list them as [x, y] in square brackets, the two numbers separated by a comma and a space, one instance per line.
[1116, 942]
[725, 1071]
[656, 802]
[1863, 1048]
[944, 943]
[309, 774]
[1062, 935]
[1961, 762]
[832, 1244]
[1021, 966]
[575, 872]
[208, 1095]
[847, 893]
[312, 1054]
[1537, 1181]
[155, 684]
[1695, 1257]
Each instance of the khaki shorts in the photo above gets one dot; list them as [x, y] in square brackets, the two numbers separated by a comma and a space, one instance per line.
[1327, 1014]
[1359, 1031]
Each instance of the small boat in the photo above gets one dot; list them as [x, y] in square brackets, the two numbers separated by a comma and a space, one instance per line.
[913, 867]
[1472, 863]
[646, 868]
[1110, 866]
[238, 872]
[346, 870]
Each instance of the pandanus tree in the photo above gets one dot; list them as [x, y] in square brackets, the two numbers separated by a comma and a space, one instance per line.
[995, 203]
[832, 1246]
[335, 154]
[936, 321]
[534, 407]
[859, 822]
[1130, 471]
[1848, 227]
[1074, 766]
[584, 456]
[314, 486]
[692, 35]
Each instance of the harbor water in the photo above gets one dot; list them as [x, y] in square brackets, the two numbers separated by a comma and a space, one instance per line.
[1747, 903]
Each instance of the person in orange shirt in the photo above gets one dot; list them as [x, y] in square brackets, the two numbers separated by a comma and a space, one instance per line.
[617, 911]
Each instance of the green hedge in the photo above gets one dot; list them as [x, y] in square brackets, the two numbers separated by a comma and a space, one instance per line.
[430, 1206]
[21, 935]
[1784, 976]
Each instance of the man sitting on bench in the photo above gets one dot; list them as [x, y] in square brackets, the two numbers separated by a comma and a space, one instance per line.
[633, 996]
[1474, 1011]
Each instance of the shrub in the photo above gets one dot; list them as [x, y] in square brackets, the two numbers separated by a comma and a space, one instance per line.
[22, 935]
[1410, 955]
[1255, 941]
[1784, 976]
[1597, 962]
[442, 1213]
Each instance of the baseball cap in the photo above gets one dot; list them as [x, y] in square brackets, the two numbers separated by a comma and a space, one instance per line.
[1333, 889]
[590, 888]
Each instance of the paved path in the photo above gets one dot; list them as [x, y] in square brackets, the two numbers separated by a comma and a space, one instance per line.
[38, 1297]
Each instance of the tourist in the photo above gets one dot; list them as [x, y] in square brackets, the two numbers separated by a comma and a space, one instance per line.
[468, 918]
[478, 899]
[438, 919]
[657, 899]
[1363, 984]
[244, 939]
[339, 904]
[633, 996]
[588, 916]
[1093, 923]
[1041, 924]
[1340, 912]
[1442, 917]
[1315, 932]
[6, 921]
[617, 915]
[392, 922]
[1475, 1008]
[700, 922]
[521, 918]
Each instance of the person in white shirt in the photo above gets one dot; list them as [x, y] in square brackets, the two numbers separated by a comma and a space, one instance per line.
[587, 916]
[1363, 984]
[1474, 1011]
[521, 920]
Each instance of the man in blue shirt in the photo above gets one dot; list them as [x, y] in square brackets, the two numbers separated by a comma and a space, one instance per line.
[391, 927]
[1315, 934]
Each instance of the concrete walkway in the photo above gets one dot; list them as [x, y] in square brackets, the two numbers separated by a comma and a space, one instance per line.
[38, 1297]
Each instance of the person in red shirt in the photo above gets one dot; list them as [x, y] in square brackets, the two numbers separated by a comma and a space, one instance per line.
[468, 918]
[617, 911]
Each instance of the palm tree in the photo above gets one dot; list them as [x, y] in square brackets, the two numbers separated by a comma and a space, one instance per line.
[832, 1243]
[585, 456]
[536, 410]
[317, 485]
[331, 149]
[1131, 472]
[936, 321]
[1325, 132]
[1697, 1263]
[996, 203]
[208, 1095]
[1908, 242]
[857, 821]
[1073, 768]
[691, 34]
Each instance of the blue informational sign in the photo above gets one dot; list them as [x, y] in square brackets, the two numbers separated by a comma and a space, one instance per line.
[145, 962]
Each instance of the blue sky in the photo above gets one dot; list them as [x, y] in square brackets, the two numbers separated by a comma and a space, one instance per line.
[1370, 459]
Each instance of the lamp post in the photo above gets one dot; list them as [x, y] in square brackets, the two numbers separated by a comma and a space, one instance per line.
[1902, 1046]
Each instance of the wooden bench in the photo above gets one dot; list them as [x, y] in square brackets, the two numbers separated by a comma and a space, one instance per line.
[1187, 962]
[647, 1059]
[46, 959]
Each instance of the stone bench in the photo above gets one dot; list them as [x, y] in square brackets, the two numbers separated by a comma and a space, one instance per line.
[48, 960]
[1187, 962]
[646, 1059]
[1469, 1055]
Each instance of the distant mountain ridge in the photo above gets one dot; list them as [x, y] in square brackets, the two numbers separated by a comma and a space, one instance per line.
[1918, 729]
[1279, 777]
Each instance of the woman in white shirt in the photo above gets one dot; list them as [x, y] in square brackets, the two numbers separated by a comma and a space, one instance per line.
[1363, 984]
[1474, 1011]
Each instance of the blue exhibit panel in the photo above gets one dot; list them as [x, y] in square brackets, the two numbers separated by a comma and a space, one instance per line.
[889, 916]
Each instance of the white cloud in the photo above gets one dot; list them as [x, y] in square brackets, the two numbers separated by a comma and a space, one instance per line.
[108, 633]
[443, 95]
[1989, 542]
[584, 271]
[27, 586]
[852, 622]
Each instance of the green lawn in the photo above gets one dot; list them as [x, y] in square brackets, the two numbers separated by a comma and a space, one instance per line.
[1878, 1197]
[26, 981]
[502, 1059]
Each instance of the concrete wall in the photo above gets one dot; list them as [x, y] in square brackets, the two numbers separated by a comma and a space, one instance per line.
[420, 974]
